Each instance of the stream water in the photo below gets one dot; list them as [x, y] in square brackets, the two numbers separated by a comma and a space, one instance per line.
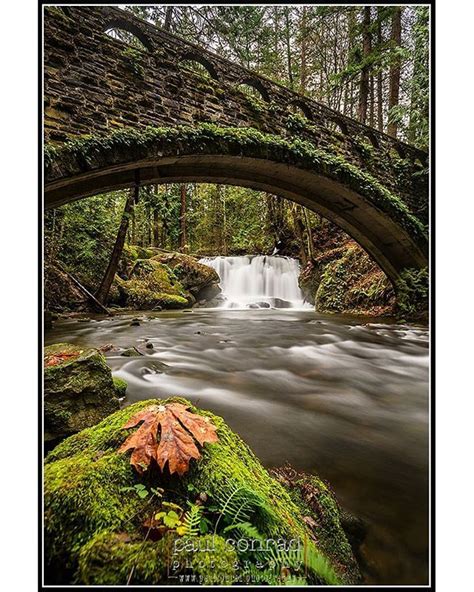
[339, 396]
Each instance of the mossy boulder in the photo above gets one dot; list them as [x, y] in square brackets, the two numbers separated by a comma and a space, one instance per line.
[78, 389]
[94, 522]
[130, 254]
[152, 285]
[200, 280]
[120, 386]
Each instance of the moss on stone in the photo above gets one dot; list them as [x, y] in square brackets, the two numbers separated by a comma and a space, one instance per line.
[193, 276]
[120, 386]
[152, 284]
[89, 151]
[78, 391]
[84, 495]
[111, 558]
[316, 501]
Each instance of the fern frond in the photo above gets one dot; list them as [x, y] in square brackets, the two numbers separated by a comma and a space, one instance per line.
[191, 520]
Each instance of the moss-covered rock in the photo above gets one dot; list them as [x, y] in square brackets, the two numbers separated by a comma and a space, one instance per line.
[94, 520]
[323, 515]
[120, 386]
[78, 389]
[152, 285]
[200, 280]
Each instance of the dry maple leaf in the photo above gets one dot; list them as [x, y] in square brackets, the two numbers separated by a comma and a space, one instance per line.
[56, 359]
[175, 446]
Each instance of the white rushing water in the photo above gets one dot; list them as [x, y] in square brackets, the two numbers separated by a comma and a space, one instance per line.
[258, 281]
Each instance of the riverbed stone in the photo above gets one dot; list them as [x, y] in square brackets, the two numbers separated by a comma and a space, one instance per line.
[94, 519]
[78, 389]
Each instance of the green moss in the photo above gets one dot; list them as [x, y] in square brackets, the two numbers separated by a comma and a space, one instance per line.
[352, 283]
[110, 558]
[120, 386]
[133, 59]
[297, 123]
[152, 284]
[84, 496]
[412, 289]
[365, 149]
[192, 275]
[78, 392]
[207, 137]
[315, 499]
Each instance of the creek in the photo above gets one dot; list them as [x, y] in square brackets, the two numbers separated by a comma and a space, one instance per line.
[344, 397]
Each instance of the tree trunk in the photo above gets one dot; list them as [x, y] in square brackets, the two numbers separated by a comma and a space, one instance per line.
[379, 73]
[309, 234]
[112, 267]
[288, 48]
[156, 227]
[224, 222]
[394, 81]
[303, 69]
[364, 75]
[182, 219]
[299, 229]
[168, 18]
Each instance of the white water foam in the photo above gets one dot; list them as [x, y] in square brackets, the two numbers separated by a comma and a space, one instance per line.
[258, 281]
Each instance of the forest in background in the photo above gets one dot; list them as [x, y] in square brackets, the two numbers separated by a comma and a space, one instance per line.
[370, 63]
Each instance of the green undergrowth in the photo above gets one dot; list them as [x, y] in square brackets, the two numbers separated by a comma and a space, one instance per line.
[413, 292]
[352, 283]
[88, 151]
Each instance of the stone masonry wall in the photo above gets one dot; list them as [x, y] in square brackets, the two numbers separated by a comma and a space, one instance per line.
[94, 84]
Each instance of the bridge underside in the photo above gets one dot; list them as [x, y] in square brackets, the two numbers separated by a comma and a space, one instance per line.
[384, 238]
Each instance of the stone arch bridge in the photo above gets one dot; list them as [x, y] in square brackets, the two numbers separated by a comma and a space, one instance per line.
[164, 110]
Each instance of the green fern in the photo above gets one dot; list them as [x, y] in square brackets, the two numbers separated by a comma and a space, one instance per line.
[192, 521]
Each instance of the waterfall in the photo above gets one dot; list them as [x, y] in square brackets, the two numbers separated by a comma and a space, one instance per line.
[258, 281]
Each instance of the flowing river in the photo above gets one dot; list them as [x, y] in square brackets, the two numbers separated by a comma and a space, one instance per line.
[344, 397]
[330, 395]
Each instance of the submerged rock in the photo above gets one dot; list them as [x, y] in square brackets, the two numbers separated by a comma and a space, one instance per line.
[95, 522]
[78, 389]
[131, 352]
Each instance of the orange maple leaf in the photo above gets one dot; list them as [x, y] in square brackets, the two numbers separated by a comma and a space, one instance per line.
[175, 446]
[59, 358]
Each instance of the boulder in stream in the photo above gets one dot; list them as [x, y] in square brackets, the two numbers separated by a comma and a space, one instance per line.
[200, 280]
[78, 389]
[100, 513]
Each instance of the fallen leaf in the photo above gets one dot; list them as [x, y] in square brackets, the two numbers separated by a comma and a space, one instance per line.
[167, 434]
[56, 359]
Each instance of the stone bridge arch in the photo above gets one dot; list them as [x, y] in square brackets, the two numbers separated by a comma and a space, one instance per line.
[114, 118]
